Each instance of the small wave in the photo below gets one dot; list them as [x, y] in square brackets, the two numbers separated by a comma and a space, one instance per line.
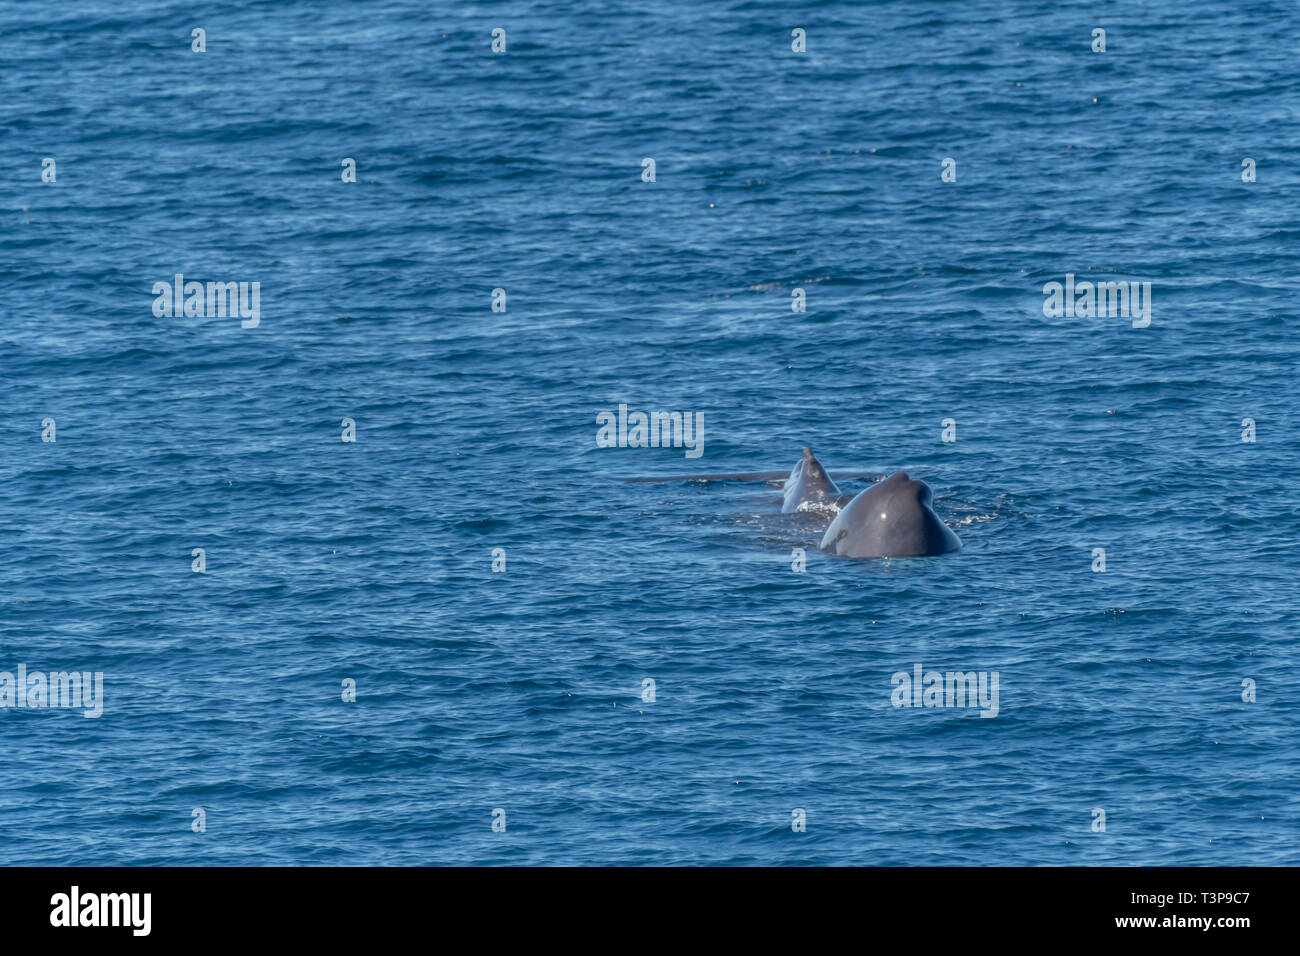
[818, 507]
[974, 519]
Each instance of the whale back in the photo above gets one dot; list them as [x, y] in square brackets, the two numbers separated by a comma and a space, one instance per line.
[809, 485]
[893, 518]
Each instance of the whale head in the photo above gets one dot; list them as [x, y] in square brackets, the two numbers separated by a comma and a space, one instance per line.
[891, 519]
[809, 485]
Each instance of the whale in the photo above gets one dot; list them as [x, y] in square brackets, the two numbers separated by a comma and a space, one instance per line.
[809, 486]
[894, 518]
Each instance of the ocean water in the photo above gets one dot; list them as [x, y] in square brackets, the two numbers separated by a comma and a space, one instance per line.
[518, 695]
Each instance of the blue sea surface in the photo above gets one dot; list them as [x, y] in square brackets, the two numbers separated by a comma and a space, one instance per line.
[518, 695]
